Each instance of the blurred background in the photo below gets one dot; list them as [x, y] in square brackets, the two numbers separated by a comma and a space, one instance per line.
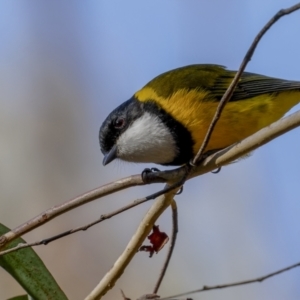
[64, 65]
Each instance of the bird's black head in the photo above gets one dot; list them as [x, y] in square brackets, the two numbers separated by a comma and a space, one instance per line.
[143, 132]
[116, 123]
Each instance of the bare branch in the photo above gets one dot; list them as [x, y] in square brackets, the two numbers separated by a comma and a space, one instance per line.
[223, 286]
[18, 247]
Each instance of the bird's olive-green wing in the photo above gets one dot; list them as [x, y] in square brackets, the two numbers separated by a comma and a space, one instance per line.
[215, 79]
[251, 85]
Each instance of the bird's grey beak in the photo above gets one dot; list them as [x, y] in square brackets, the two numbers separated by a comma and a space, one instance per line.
[110, 156]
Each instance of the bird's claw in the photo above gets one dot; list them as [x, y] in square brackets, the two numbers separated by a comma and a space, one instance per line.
[148, 171]
[217, 171]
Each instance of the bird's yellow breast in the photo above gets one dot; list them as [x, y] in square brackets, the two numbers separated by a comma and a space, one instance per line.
[195, 109]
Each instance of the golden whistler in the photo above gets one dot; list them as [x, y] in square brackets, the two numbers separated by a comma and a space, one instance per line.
[166, 121]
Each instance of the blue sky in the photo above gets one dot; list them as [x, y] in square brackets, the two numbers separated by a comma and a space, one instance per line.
[65, 65]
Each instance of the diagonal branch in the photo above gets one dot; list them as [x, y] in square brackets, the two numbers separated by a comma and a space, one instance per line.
[227, 285]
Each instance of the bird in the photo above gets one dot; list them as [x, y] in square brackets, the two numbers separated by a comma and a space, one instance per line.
[166, 121]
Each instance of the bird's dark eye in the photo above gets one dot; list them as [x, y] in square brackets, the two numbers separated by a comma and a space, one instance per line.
[119, 123]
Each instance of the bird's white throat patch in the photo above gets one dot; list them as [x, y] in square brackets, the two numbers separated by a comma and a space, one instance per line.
[147, 139]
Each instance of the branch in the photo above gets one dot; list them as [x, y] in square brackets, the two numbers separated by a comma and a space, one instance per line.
[223, 286]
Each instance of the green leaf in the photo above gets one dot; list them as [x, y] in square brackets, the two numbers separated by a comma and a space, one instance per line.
[28, 269]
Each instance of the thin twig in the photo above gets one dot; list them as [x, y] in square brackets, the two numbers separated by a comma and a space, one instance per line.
[57, 210]
[227, 95]
[71, 231]
[18, 247]
[244, 282]
[171, 247]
